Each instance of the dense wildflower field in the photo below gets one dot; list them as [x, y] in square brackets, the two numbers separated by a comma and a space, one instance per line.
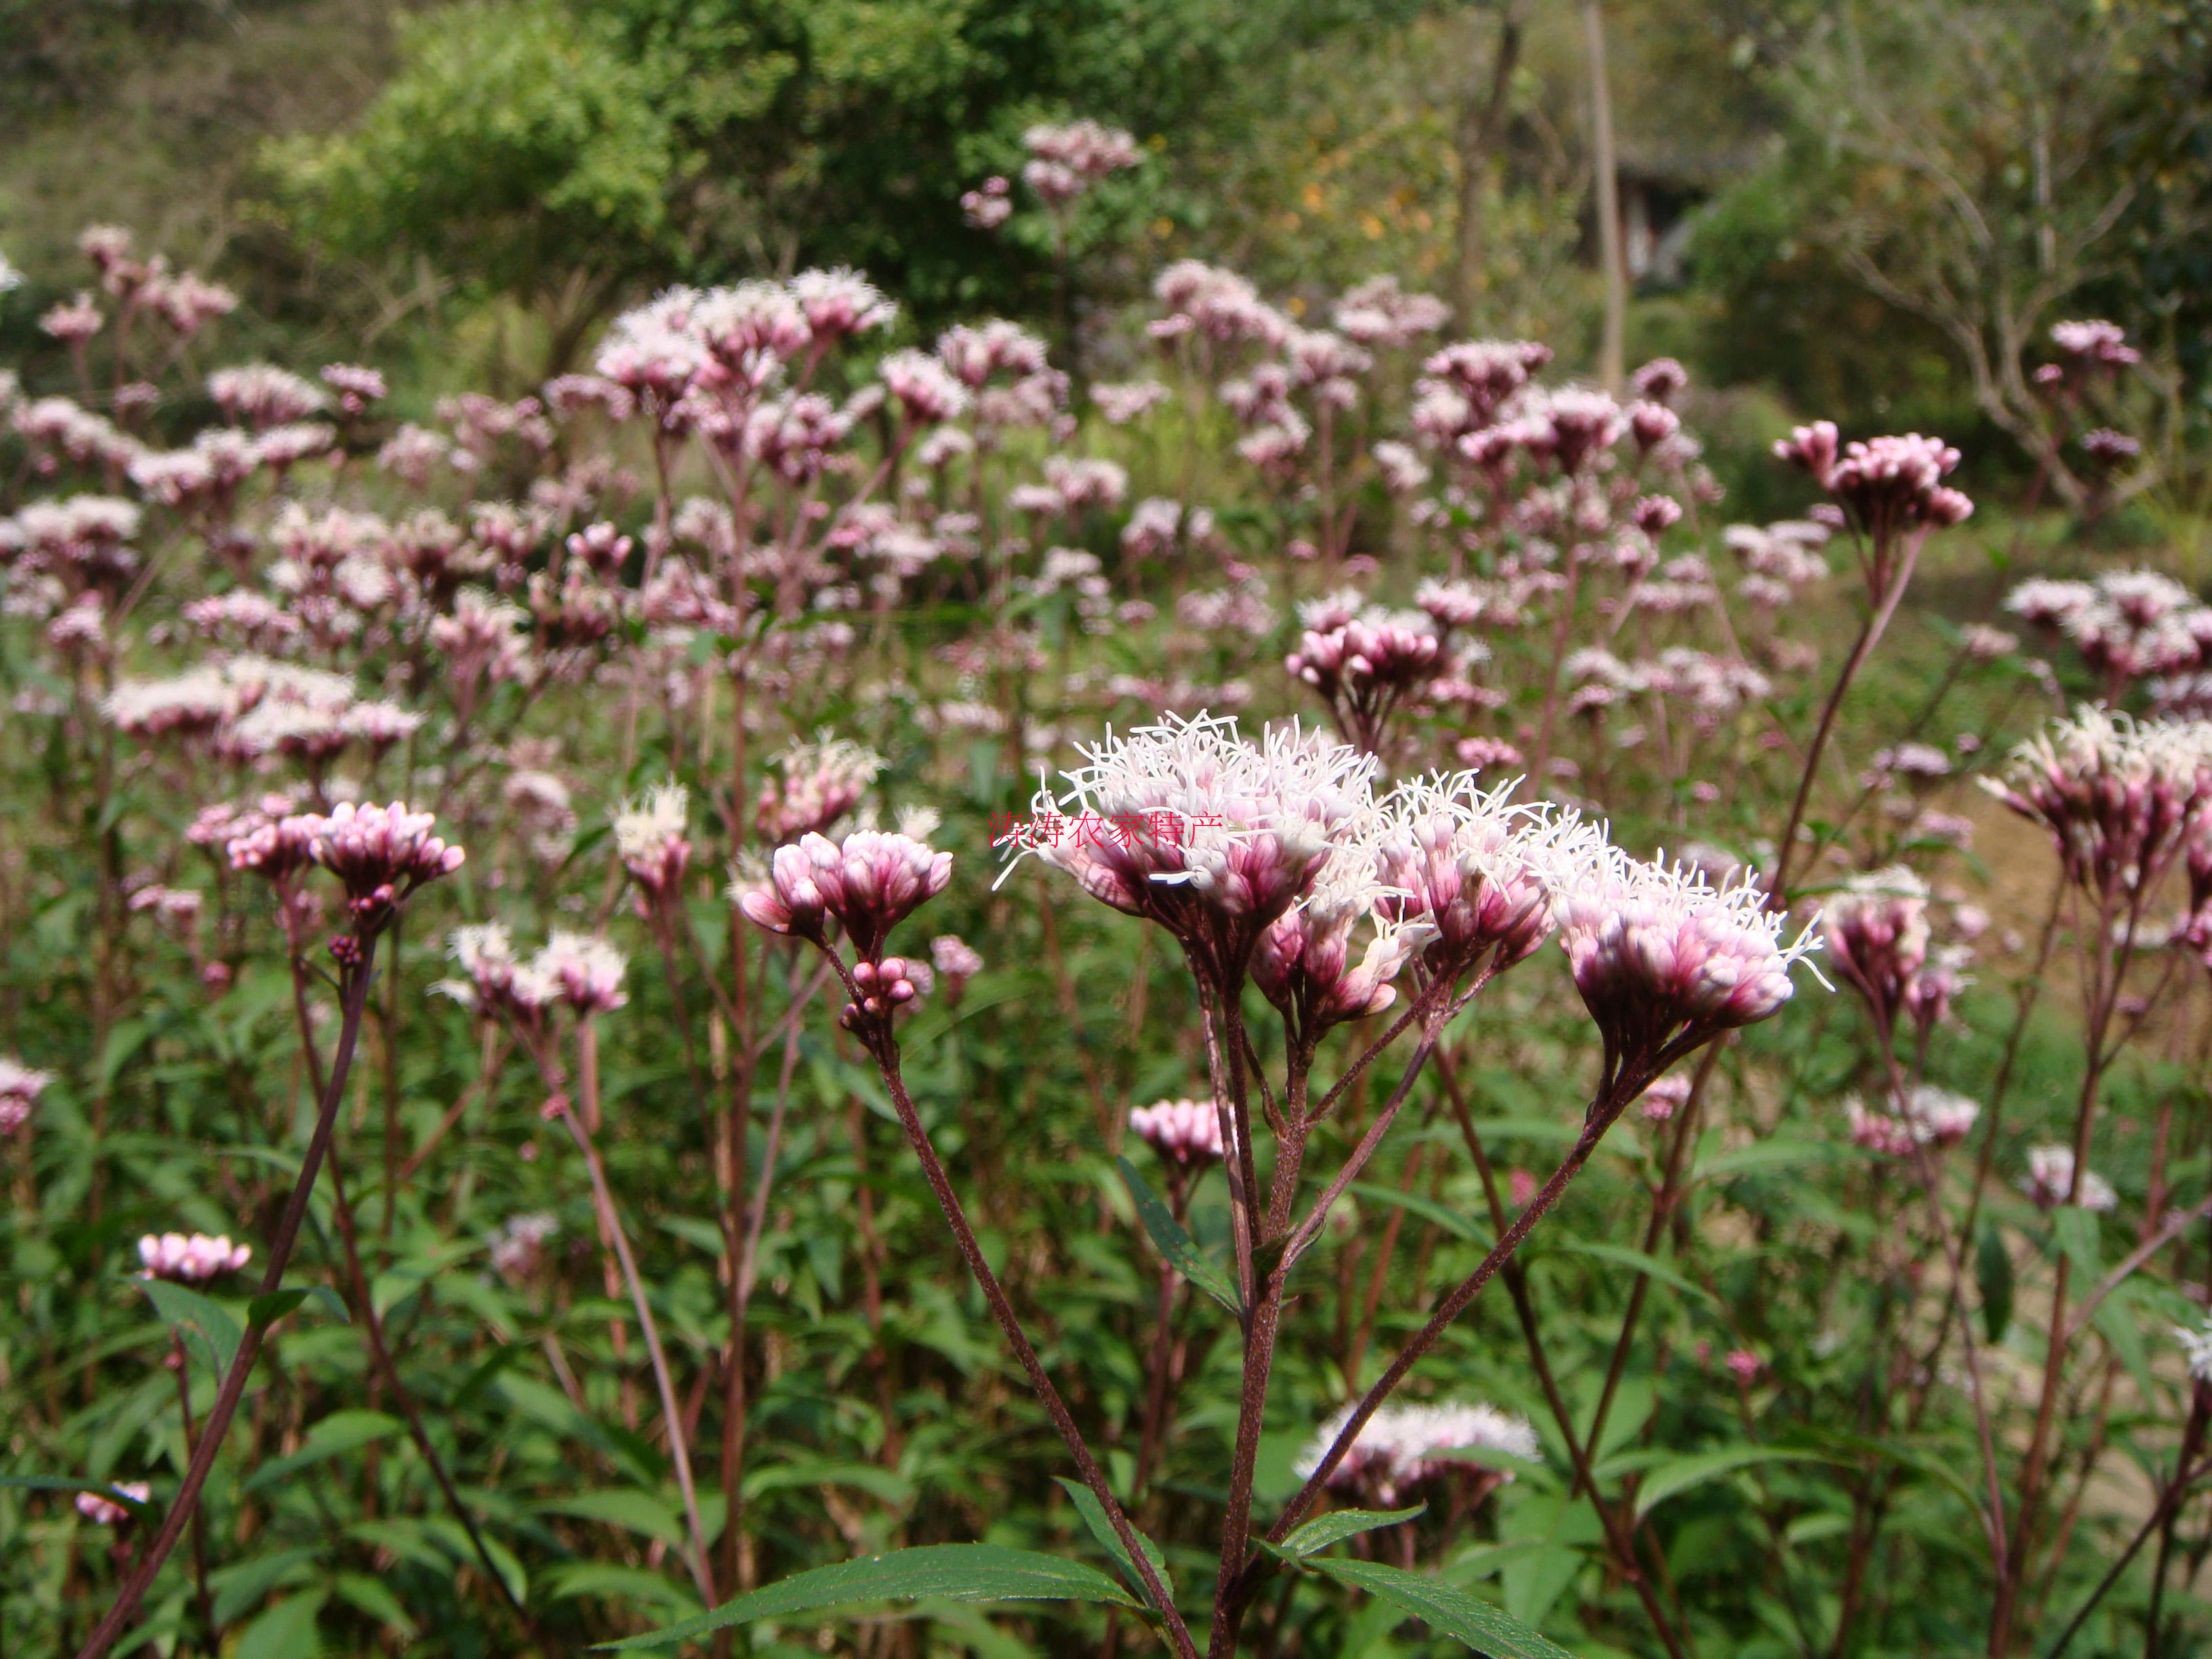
[825, 992]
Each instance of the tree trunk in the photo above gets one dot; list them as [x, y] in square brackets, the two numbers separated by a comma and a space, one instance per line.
[1481, 122]
[1610, 367]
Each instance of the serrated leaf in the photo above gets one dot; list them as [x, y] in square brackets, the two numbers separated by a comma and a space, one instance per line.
[1764, 1155]
[1681, 1474]
[241, 1586]
[1427, 1209]
[1101, 1528]
[287, 1631]
[1993, 1277]
[210, 1332]
[1488, 1630]
[339, 1433]
[573, 1579]
[1168, 1237]
[1324, 1530]
[628, 1507]
[960, 1573]
[373, 1597]
[1640, 1261]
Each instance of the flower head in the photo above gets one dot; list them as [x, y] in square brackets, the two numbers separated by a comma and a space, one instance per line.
[1483, 872]
[584, 972]
[2196, 1349]
[1192, 825]
[2050, 1181]
[650, 841]
[190, 1260]
[20, 1085]
[1403, 1447]
[1665, 962]
[104, 1512]
[1877, 934]
[2121, 798]
[1183, 1132]
[870, 883]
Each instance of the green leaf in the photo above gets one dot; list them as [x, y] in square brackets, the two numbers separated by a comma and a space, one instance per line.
[1324, 1530]
[961, 1572]
[628, 1507]
[1176, 1245]
[883, 1484]
[1427, 1209]
[1640, 1262]
[266, 1310]
[636, 1584]
[208, 1329]
[1101, 1528]
[1764, 1155]
[243, 1585]
[2075, 1227]
[373, 1597]
[287, 1631]
[339, 1433]
[1681, 1474]
[1448, 1611]
[1993, 1275]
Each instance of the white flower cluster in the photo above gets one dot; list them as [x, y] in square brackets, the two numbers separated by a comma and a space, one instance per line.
[1401, 1446]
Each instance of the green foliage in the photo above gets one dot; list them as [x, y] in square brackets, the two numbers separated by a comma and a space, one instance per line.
[516, 146]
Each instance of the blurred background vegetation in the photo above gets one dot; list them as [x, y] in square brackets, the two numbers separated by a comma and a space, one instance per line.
[1870, 211]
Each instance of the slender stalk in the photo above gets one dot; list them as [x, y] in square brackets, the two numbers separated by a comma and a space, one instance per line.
[1604, 1107]
[1869, 634]
[602, 1199]
[2169, 1503]
[354, 998]
[1619, 1540]
[208, 1632]
[1663, 1206]
[883, 1049]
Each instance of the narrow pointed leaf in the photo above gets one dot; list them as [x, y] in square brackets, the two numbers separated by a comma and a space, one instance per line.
[1320, 1532]
[1683, 1473]
[210, 1330]
[959, 1572]
[1094, 1517]
[1180, 1250]
[1447, 1610]
[1993, 1277]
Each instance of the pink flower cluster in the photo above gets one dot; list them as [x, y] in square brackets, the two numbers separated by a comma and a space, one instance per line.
[104, 1512]
[192, 1259]
[870, 884]
[1891, 487]
[1185, 1132]
[20, 1085]
[1067, 161]
[2121, 799]
[1401, 1448]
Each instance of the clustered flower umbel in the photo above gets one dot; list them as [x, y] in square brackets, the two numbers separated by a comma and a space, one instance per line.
[1183, 1132]
[2122, 798]
[649, 839]
[192, 1259]
[379, 854]
[570, 969]
[869, 883]
[2050, 1181]
[1224, 842]
[104, 1512]
[20, 1085]
[1666, 962]
[1401, 1448]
